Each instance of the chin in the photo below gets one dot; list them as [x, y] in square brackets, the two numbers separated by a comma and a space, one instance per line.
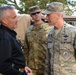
[16, 26]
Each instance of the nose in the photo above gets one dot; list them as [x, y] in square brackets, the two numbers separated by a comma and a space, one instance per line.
[16, 19]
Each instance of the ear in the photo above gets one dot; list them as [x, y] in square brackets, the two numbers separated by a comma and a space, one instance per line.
[59, 14]
[4, 21]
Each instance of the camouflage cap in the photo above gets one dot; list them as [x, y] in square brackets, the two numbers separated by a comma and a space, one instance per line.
[53, 7]
[34, 9]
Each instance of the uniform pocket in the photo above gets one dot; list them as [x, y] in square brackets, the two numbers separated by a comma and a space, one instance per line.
[66, 46]
[67, 51]
[50, 44]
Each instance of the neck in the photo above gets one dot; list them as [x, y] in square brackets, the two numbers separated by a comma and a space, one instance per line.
[37, 23]
[59, 24]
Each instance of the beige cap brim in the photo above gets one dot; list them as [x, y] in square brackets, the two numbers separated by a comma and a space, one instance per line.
[47, 12]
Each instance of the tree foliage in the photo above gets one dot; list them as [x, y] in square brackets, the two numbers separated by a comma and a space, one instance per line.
[23, 5]
[3, 2]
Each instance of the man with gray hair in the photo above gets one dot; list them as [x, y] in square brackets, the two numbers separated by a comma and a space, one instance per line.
[12, 61]
[61, 53]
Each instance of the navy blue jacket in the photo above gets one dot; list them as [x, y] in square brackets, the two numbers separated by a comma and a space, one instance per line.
[11, 56]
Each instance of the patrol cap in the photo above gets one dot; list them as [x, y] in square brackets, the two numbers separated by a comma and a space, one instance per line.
[34, 9]
[53, 7]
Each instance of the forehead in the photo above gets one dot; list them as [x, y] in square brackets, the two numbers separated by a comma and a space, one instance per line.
[10, 12]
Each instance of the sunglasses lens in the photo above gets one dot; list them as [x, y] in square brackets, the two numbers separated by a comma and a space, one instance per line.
[35, 13]
[38, 12]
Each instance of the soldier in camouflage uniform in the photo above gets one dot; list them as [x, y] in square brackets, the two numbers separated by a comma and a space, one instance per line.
[61, 53]
[36, 41]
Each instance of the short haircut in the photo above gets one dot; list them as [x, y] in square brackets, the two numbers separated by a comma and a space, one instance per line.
[3, 10]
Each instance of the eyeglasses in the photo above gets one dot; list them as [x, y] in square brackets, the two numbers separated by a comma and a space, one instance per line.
[35, 13]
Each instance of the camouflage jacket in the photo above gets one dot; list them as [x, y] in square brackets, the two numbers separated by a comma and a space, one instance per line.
[35, 47]
[60, 56]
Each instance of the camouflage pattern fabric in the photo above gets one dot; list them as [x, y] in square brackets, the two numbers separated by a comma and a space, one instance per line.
[61, 49]
[36, 46]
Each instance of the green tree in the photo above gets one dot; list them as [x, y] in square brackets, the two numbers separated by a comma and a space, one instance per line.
[23, 5]
[3, 2]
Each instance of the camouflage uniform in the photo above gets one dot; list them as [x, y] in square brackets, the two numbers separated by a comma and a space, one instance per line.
[61, 51]
[35, 47]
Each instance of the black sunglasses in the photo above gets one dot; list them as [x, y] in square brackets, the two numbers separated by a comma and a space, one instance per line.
[35, 13]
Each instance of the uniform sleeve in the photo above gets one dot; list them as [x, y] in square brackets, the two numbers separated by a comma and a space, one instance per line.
[5, 59]
[49, 57]
[47, 62]
[47, 65]
[26, 48]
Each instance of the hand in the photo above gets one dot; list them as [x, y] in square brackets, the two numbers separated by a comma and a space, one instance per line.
[28, 71]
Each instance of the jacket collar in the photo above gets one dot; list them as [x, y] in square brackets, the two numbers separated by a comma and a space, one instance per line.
[11, 32]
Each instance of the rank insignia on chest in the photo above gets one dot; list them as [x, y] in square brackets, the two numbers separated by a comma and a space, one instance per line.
[65, 54]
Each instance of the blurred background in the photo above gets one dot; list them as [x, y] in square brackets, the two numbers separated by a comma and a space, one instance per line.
[22, 6]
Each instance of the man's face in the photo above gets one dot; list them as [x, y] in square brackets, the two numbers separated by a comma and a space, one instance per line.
[36, 16]
[52, 18]
[10, 20]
